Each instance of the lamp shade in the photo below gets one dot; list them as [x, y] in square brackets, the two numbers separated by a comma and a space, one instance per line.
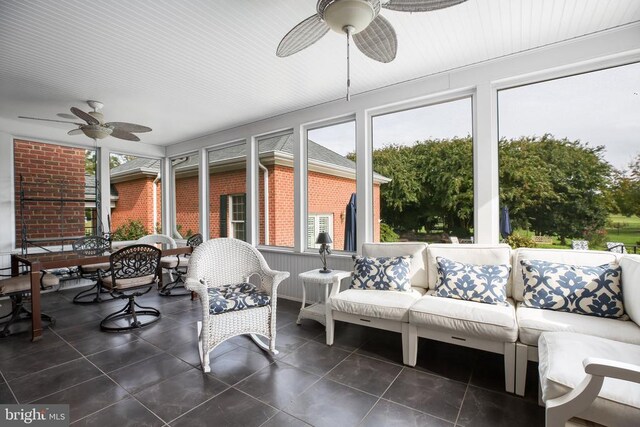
[323, 238]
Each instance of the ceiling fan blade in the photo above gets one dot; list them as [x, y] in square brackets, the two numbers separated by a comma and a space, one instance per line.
[50, 120]
[75, 132]
[419, 5]
[122, 134]
[128, 127]
[378, 41]
[302, 36]
[66, 116]
[85, 116]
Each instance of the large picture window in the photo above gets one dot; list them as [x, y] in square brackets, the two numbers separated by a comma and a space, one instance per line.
[423, 173]
[227, 189]
[331, 184]
[570, 159]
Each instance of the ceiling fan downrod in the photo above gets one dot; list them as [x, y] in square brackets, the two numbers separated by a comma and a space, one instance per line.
[348, 29]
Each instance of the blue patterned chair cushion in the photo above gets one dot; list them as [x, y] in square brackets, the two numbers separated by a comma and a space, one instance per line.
[383, 274]
[595, 291]
[479, 283]
[236, 297]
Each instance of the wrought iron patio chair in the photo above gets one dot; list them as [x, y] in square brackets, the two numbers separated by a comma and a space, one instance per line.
[92, 246]
[132, 269]
[617, 247]
[161, 241]
[17, 288]
[219, 272]
[178, 265]
[580, 245]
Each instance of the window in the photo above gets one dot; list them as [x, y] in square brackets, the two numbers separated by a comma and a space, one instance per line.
[227, 187]
[316, 224]
[275, 190]
[423, 173]
[570, 160]
[137, 208]
[184, 171]
[331, 184]
[238, 217]
[55, 194]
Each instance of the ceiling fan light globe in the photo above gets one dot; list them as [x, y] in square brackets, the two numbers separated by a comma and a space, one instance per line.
[357, 14]
[96, 131]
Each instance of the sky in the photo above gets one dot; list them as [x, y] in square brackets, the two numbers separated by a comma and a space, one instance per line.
[598, 108]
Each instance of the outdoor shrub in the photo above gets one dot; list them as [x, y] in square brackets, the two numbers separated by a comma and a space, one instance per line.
[595, 236]
[387, 234]
[133, 229]
[518, 240]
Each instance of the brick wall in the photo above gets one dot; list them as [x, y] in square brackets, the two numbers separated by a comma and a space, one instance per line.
[44, 167]
[227, 183]
[135, 202]
[187, 209]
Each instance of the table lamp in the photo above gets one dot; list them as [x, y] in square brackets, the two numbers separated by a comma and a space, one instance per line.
[323, 240]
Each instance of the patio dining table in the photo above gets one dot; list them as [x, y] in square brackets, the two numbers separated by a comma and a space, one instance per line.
[52, 260]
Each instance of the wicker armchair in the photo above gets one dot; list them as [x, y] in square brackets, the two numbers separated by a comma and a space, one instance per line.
[219, 272]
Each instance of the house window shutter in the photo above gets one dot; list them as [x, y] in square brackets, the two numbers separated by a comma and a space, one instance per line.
[223, 215]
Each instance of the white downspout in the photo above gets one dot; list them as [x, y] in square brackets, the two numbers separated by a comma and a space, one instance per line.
[266, 202]
[155, 203]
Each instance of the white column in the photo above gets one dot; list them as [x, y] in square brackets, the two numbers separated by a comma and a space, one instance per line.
[7, 196]
[104, 181]
[252, 191]
[485, 165]
[203, 192]
[300, 188]
[364, 180]
[167, 220]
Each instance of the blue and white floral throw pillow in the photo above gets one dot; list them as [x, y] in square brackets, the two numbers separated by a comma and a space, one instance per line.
[595, 291]
[383, 274]
[480, 283]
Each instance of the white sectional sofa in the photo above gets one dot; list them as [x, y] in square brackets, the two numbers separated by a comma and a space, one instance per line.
[511, 330]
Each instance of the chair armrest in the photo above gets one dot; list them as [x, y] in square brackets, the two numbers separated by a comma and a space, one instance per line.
[199, 288]
[562, 408]
[335, 285]
[272, 278]
[612, 369]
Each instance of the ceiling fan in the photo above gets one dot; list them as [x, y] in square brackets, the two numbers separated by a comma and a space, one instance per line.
[360, 19]
[95, 127]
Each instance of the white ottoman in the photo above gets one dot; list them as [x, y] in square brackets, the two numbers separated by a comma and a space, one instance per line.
[564, 358]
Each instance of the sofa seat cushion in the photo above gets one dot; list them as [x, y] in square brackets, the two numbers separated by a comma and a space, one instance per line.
[466, 318]
[532, 322]
[561, 370]
[377, 304]
[173, 261]
[236, 297]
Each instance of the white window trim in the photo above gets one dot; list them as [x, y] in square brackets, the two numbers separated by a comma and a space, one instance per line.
[230, 220]
[316, 227]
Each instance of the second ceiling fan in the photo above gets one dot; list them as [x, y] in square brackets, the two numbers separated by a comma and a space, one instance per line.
[360, 19]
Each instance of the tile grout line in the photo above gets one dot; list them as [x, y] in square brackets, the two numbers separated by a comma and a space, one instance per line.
[464, 396]
[9, 387]
[107, 375]
[380, 397]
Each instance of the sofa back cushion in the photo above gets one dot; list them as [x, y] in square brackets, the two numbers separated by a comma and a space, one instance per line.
[630, 265]
[472, 282]
[417, 263]
[382, 273]
[467, 254]
[594, 291]
[560, 256]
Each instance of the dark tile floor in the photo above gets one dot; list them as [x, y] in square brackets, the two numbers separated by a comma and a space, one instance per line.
[152, 377]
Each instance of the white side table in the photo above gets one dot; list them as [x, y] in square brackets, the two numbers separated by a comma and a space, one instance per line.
[316, 311]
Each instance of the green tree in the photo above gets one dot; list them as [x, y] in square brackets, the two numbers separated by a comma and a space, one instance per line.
[114, 160]
[626, 191]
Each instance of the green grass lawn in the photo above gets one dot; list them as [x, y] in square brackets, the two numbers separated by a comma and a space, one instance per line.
[624, 229]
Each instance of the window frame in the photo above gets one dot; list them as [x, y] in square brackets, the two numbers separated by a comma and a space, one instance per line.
[231, 231]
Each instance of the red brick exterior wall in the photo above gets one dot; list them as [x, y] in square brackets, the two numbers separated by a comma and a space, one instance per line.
[227, 183]
[135, 202]
[44, 167]
[187, 209]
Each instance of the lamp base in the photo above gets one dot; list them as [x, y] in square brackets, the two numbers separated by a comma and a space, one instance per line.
[325, 270]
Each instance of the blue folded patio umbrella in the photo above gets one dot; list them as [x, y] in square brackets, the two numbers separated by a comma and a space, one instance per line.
[505, 223]
[350, 225]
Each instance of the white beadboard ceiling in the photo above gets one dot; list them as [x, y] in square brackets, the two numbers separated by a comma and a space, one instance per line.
[187, 68]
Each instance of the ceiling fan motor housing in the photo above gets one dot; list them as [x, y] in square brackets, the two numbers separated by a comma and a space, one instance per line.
[356, 15]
